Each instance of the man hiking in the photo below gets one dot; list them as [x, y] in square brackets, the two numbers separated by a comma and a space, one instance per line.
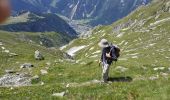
[110, 53]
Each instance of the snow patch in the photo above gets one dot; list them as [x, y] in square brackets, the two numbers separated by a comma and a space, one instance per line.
[73, 50]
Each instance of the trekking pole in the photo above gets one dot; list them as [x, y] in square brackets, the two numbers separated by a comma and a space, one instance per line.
[99, 63]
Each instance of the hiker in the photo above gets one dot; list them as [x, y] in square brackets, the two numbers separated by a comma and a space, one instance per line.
[110, 53]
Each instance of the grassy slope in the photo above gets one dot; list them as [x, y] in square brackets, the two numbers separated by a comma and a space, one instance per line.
[139, 55]
[25, 51]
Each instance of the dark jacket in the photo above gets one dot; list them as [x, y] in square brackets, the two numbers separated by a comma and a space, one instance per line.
[105, 59]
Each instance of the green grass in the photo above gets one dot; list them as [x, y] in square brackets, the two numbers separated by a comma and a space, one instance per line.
[60, 74]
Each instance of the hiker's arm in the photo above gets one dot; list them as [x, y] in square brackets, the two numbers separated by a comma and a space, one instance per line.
[104, 56]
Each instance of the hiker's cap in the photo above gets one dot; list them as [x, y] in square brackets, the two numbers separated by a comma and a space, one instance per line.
[103, 43]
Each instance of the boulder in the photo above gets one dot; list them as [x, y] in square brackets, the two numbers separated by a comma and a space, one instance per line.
[13, 54]
[59, 94]
[27, 65]
[15, 80]
[38, 55]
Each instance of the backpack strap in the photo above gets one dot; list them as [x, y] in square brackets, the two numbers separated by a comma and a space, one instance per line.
[112, 47]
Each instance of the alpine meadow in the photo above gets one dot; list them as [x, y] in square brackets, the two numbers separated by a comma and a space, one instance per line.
[49, 50]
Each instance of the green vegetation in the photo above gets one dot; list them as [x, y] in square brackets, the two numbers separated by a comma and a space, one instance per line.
[25, 51]
[144, 46]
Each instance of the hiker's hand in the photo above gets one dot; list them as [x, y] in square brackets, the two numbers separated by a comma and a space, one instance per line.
[108, 55]
[99, 61]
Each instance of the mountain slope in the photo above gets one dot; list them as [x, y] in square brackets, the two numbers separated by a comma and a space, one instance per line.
[49, 29]
[39, 23]
[141, 31]
[96, 11]
[142, 71]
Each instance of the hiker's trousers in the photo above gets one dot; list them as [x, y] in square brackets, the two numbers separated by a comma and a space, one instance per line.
[105, 71]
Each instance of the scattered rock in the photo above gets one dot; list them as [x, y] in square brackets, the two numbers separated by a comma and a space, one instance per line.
[13, 54]
[158, 68]
[10, 71]
[6, 51]
[164, 74]
[60, 74]
[36, 77]
[38, 55]
[154, 77]
[1, 44]
[134, 57]
[3, 48]
[17, 62]
[166, 7]
[78, 61]
[42, 83]
[60, 60]
[27, 65]
[82, 63]
[59, 94]
[68, 85]
[43, 72]
[48, 63]
[15, 80]
[169, 68]
[155, 69]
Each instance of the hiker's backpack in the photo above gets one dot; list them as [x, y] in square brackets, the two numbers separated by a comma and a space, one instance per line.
[116, 52]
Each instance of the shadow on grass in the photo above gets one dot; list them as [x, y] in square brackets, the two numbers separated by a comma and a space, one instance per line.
[120, 79]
